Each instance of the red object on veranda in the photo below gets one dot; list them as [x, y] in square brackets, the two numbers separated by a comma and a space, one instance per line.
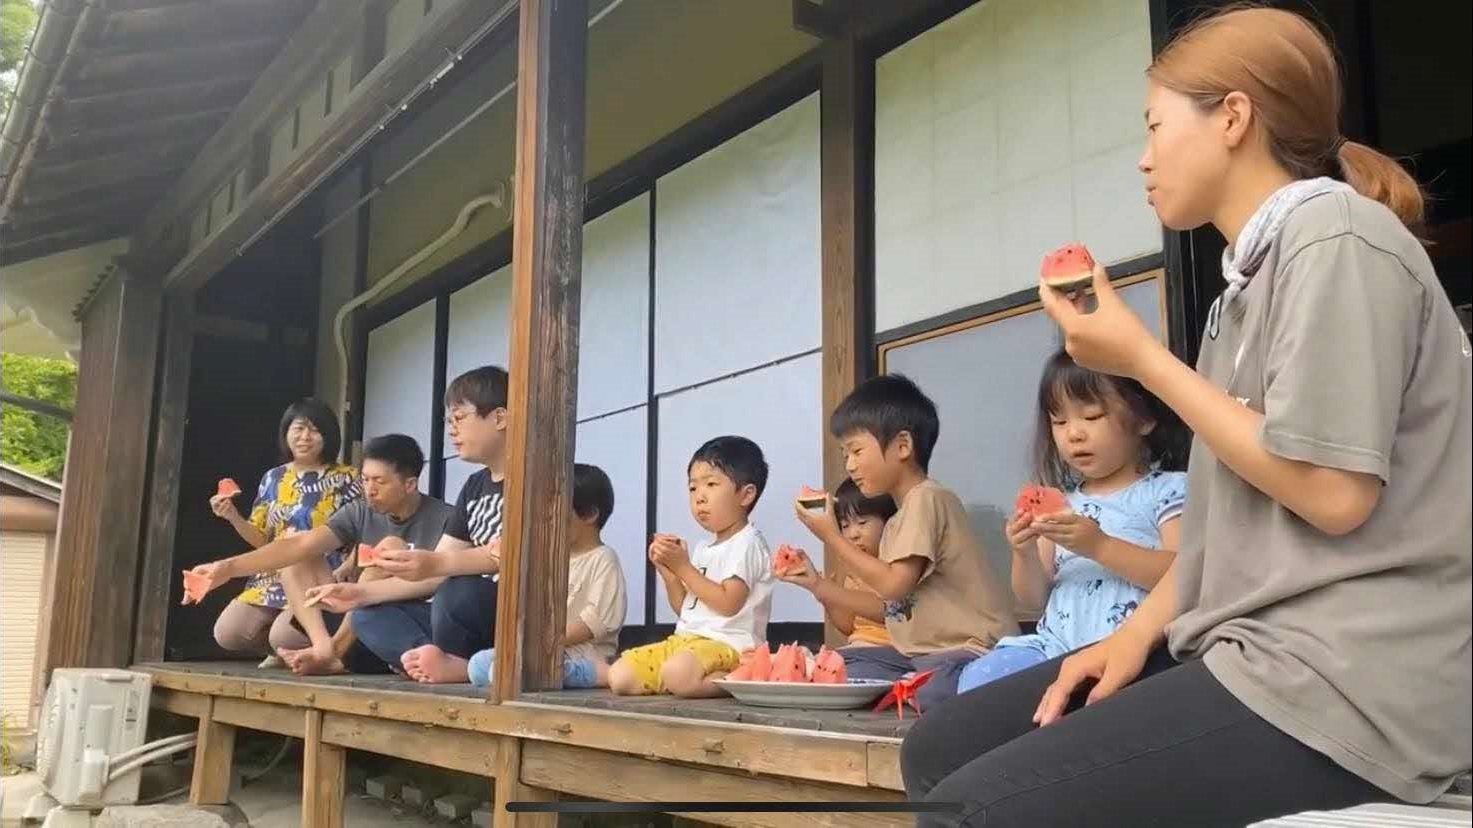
[367, 555]
[1068, 268]
[227, 488]
[903, 692]
[784, 559]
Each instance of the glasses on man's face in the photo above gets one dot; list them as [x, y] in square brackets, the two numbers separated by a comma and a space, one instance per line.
[456, 419]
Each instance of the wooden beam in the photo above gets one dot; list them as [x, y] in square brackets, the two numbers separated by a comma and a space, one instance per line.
[120, 67]
[817, 18]
[195, 125]
[35, 248]
[846, 142]
[24, 225]
[92, 611]
[392, 80]
[156, 575]
[214, 758]
[128, 163]
[507, 786]
[324, 777]
[320, 41]
[162, 25]
[152, 104]
[622, 778]
[459, 750]
[547, 258]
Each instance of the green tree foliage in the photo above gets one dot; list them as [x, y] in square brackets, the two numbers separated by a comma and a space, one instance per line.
[17, 20]
[32, 441]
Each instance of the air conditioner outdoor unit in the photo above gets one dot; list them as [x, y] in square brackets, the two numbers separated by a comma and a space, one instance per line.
[89, 744]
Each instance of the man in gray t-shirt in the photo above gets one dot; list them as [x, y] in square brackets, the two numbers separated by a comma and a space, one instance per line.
[391, 511]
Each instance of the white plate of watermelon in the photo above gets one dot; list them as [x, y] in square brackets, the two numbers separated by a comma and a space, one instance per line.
[795, 677]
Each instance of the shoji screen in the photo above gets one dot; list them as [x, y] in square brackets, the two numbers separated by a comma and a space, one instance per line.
[399, 382]
[737, 322]
[1006, 131]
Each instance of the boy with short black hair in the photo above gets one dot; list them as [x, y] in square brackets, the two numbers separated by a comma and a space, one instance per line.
[722, 590]
[852, 607]
[944, 605]
[597, 599]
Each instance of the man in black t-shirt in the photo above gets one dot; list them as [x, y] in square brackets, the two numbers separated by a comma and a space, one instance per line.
[462, 617]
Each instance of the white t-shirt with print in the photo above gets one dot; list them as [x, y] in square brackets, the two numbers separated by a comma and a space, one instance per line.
[744, 555]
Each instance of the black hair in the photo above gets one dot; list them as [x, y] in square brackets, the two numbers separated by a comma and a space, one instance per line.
[885, 406]
[850, 503]
[737, 458]
[400, 451]
[484, 387]
[322, 418]
[1063, 378]
[593, 493]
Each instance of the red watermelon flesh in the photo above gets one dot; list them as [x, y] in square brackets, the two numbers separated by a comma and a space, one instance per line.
[367, 555]
[759, 665]
[811, 498]
[196, 586]
[829, 668]
[1069, 267]
[227, 488]
[785, 559]
[789, 664]
[1034, 500]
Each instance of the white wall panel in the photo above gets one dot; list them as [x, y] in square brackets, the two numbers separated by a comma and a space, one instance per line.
[399, 383]
[777, 407]
[737, 252]
[1008, 130]
[618, 444]
[614, 310]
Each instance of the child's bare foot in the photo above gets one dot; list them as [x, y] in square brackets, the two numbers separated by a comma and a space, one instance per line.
[432, 665]
[310, 662]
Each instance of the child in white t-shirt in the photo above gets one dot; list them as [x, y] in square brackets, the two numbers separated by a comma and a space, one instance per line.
[722, 590]
[597, 596]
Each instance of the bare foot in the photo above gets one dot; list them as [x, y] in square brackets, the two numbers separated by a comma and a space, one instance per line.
[309, 662]
[432, 665]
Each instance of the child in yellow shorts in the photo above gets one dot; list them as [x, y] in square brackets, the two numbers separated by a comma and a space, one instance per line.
[722, 590]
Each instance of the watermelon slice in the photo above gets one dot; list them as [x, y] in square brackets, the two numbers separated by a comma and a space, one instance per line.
[1034, 500]
[814, 499]
[828, 668]
[1069, 268]
[789, 664]
[756, 665]
[196, 586]
[785, 559]
[367, 555]
[227, 488]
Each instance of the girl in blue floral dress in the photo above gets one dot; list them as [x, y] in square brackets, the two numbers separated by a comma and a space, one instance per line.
[1110, 446]
[299, 495]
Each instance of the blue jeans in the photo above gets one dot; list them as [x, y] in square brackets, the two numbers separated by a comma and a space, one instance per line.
[1000, 663]
[578, 673]
[390, 630]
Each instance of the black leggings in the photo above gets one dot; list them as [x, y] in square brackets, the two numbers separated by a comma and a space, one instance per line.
[1172, 749]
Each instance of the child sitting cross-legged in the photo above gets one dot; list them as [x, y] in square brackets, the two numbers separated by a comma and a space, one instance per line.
[597, 595]
[853, 608]
[722, 589]
[944, 604]
[1110, 444]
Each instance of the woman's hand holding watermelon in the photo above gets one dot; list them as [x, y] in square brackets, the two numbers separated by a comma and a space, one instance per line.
[1111, 338]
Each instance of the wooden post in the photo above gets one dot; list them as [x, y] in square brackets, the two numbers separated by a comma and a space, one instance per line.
[172, 408]
[92, 604]
[846, 141]
[214, 757]
[547, 253]
[508, 787]
[324, 777]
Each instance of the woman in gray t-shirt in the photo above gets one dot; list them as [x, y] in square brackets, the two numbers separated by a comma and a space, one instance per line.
[1316, 622]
